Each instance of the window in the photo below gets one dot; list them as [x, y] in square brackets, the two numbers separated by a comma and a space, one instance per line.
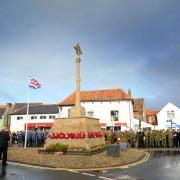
[170, 115]
[114, 115]
[117, 128]
[19, 117]
[152, 119]
[52, 117]
[90, 114]
[42, 117]
[33, 117]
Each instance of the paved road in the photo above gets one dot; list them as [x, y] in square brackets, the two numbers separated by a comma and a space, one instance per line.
[16, 172]
[157, 168]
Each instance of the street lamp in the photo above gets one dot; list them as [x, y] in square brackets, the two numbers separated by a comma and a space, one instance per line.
[171, 122]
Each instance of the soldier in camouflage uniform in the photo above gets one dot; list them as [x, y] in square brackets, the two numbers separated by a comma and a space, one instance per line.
[133, 139]
[147, 139]
[158, 137]
[170, 138]
[109, 136]
[164, 143]
[153, 138]
[125, 136]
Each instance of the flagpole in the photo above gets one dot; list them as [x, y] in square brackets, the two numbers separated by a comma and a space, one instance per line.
[27, 115]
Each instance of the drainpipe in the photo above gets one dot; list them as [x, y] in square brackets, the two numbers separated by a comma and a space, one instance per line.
[129, 115]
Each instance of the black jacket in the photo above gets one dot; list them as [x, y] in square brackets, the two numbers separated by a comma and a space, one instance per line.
[4, 138]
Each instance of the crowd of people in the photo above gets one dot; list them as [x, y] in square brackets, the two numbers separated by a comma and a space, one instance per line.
[141, 139]
[35, 137]
[169, 138]
[146, 139]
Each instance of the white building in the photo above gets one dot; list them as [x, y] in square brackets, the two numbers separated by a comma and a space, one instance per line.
[40, 116]
[113, 107]
[168, 116]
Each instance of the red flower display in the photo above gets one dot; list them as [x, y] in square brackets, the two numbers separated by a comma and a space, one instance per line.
[61, 135]
[76, 135]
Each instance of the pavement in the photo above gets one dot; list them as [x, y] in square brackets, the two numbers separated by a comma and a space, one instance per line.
[158, 167]
[16, 172]
[19, 171]
[144, 159]
[31, 156]
[156, 164]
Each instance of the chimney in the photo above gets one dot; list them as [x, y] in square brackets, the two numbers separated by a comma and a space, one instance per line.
[129, 92]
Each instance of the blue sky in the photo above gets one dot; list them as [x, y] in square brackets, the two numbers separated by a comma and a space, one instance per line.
[125, 43]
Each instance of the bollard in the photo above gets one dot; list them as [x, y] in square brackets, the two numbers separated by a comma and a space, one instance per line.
[113, 150]
[123, 146]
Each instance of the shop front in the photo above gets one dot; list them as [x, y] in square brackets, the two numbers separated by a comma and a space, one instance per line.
[42, 126]
[114, 126]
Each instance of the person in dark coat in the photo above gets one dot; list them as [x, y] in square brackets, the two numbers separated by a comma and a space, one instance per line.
[178, 137]
[4, 142]
[33, 138]
[175, 139]
[39, 137]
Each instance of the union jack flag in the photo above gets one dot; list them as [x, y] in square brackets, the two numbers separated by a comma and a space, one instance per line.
[33, 83]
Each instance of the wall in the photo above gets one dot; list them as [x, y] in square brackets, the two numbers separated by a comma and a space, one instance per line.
[102, 110]
[162, 116]
[18, 125]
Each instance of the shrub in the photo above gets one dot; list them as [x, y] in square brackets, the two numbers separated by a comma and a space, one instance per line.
[103, 146]
[57, 148]
[85, 150]
[99, 147]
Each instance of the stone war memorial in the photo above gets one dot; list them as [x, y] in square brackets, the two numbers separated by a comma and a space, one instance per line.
[76, 131]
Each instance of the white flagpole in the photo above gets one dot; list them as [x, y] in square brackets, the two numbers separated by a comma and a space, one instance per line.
[27, 116]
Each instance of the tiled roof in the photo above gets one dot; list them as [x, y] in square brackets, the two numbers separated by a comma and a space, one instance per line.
[3, 106]
[18, 106]
[98, 95]
[39, 109]
[151, 112]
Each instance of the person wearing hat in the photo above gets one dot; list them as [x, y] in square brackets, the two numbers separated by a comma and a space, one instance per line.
[4, 142]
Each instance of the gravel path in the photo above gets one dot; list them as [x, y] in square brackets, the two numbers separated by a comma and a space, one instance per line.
[31, 156]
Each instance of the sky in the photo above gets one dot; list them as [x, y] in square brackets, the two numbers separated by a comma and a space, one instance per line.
[128, 44]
